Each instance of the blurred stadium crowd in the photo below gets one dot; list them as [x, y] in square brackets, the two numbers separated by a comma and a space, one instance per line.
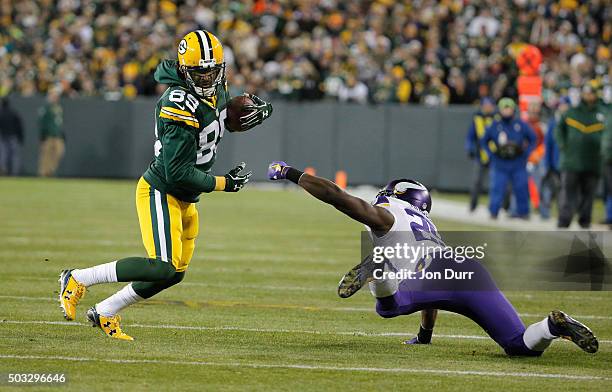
[423, 51]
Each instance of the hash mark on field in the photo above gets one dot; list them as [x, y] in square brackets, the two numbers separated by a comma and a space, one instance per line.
[213, 303]
[260, 330]
[313, 367]
[29, 298]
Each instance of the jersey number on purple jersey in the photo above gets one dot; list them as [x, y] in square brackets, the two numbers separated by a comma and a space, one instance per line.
[425, 230]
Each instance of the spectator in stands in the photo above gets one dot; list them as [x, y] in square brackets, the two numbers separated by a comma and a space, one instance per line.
[480, 121]
[353, 91]
[552, 180]
[110, 48]
[484, 24]
[50, 120]
[11, 140]
[460, 93]
[578, 135]
[436, 93]
[509, 141]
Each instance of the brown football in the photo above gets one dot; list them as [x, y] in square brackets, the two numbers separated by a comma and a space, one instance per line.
[236, 108]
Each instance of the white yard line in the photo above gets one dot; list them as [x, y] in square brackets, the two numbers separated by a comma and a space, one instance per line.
[310, 307]
[257, 330]
[313, 367]
[20, 297]
[324, 289]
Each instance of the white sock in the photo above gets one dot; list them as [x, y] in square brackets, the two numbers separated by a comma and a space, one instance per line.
[121, 299]
[537, 336]
[103, 273]
[383, 287]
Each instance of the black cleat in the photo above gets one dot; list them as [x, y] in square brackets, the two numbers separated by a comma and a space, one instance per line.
[565, 327]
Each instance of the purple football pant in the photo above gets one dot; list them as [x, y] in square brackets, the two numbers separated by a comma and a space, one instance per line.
[488, 307]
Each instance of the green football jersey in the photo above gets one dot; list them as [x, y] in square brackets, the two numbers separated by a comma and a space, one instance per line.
[187, 130]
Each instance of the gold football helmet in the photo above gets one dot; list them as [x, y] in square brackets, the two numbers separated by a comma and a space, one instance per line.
[200, 58]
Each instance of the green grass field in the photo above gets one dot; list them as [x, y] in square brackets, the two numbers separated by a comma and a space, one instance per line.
[257, 310]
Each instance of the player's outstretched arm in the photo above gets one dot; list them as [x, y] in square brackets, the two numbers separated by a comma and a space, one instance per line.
[378, 219]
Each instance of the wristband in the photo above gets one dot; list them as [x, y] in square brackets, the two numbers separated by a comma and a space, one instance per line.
[424, 335]
[220, 183]
[293, 175]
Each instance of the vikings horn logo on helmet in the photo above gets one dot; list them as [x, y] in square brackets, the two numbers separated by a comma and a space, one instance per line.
[402, 187]
[410, 191]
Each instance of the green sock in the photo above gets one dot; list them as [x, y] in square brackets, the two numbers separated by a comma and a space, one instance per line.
[143, 269]
[149, 289]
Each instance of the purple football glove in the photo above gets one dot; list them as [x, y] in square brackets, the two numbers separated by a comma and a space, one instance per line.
[277, 170]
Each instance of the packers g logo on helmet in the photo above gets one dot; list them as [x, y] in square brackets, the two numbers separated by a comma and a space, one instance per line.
[200, 58]
[182, 48]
